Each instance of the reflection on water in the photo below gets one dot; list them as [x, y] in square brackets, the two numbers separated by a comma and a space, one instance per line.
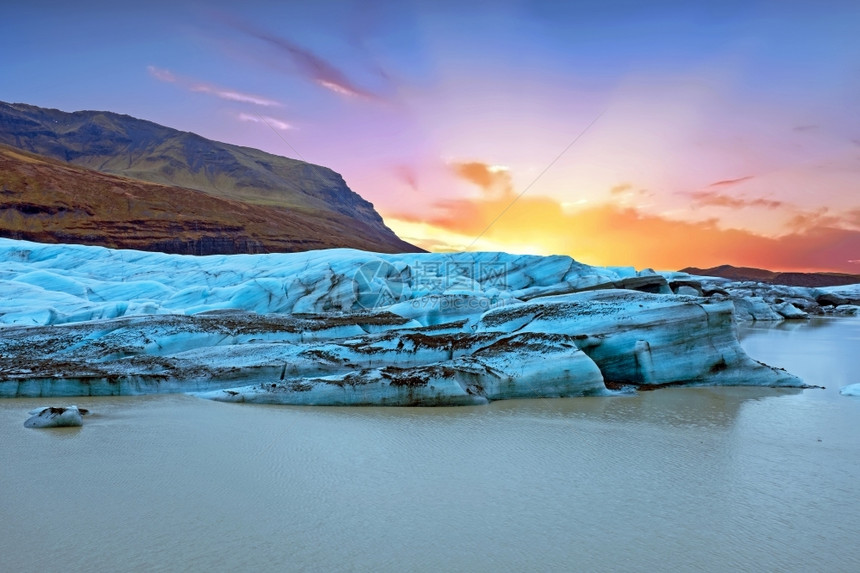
[709, 479]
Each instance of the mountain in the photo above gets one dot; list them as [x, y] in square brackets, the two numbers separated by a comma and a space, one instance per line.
[776, 278]
[309, 205]
[49, 201]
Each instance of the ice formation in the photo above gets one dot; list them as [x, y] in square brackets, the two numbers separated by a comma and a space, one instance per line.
[350, 327]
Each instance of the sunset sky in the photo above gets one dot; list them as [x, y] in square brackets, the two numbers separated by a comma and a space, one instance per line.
[663, 134]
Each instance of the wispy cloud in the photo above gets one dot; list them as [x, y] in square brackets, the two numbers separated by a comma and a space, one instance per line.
[165, 75]
[339, 88]
[271, 121]
[407, 174]
[730, 182]
[161, 74]
[309, 64]
[231, 95]
[717, 199]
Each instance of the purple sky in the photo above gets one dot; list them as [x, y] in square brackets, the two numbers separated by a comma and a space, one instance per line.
[730, 128]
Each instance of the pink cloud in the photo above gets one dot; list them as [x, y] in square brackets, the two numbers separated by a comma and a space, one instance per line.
[408, 175]
[312, 66]
[165, 75]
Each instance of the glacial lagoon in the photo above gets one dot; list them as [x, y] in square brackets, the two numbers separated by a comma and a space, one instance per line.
[709, 479]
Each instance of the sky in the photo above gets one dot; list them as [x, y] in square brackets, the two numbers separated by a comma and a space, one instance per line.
[657, 134]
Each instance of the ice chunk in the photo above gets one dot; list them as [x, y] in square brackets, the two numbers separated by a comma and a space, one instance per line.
[643, 338]
[55, 417]
[850, 390]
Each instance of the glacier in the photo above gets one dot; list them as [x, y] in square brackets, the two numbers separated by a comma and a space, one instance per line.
[348, 327]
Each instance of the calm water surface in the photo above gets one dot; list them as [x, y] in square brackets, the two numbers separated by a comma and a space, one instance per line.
[678, 479]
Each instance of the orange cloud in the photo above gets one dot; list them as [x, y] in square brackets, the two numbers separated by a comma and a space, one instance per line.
[488, 177]
[811, 219]
[626, 193]
[608, 234]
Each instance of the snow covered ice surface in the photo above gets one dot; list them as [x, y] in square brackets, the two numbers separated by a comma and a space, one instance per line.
[54, 284]
[349, 327]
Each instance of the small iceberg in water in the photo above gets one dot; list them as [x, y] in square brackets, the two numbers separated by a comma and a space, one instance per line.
[850, 390]
[55, 417]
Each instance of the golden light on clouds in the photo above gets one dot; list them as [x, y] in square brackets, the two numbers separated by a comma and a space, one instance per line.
[615, 233]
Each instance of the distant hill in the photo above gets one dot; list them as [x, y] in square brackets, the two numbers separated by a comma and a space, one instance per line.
[49, 201]
[777, 278]
[313, 204]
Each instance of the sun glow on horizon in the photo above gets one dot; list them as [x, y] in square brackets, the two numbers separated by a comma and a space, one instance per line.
[612, 235]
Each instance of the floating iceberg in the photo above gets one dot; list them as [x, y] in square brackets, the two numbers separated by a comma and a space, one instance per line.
[850, 390]
[55, 417]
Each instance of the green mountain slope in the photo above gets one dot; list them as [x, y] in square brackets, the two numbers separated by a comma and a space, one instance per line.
[122, 145]
[50, 201]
